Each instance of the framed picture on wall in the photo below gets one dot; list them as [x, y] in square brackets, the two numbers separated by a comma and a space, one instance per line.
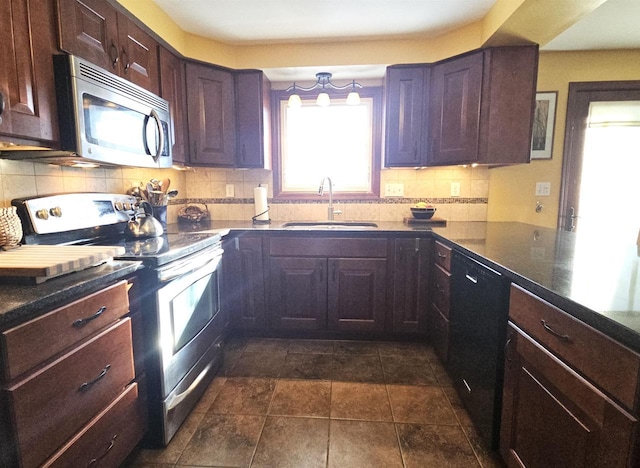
[544, 118]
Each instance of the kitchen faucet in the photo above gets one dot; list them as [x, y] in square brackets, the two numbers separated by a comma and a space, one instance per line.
[330, 211]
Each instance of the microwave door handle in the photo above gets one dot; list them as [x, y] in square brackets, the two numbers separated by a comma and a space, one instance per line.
[156, 118]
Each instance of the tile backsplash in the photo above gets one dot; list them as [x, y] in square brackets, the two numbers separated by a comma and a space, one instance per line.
[205, 185]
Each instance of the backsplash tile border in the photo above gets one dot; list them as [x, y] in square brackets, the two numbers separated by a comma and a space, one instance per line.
[324, 201]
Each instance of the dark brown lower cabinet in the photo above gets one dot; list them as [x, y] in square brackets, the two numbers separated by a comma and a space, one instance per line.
[553, 417]
[298, 293]
[347, 294]
[411, 285]
[244, 292]
[357, 294]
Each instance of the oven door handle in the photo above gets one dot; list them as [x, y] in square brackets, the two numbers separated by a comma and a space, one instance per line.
[177, 399]
[190, 265]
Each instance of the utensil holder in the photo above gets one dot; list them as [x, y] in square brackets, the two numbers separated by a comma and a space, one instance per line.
[160, 213]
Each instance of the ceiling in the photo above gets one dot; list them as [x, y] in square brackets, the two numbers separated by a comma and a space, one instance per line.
[244, 22]
[277, 21]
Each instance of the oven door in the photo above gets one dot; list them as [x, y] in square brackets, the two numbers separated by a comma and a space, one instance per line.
[189, 318]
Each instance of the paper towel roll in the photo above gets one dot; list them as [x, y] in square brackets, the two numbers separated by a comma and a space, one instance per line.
[260, 204]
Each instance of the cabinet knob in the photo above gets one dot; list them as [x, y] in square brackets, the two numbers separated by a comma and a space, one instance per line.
[113, 55]
[125, 60]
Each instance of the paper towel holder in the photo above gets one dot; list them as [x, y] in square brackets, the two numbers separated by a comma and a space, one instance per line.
[259, 217]
[254, 219]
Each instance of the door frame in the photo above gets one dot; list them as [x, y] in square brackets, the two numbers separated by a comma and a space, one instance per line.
[581, 94]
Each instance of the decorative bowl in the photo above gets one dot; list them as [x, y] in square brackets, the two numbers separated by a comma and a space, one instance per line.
[422, 213]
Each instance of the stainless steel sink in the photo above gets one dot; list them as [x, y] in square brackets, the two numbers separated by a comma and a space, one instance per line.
[330, 225]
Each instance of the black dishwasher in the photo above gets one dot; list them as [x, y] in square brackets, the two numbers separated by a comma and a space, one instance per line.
[478, 324]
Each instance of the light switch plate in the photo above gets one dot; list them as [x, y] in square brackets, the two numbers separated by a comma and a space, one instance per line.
[230, 191]
[543, 189]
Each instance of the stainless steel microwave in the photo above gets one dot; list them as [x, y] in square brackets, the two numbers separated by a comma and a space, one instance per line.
[109, 120]
[104, 120]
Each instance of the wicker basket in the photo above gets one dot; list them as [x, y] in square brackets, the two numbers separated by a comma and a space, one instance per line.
[10, 227]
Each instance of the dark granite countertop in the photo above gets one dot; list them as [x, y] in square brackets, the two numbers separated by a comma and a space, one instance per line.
[19, 303]
[592, 276]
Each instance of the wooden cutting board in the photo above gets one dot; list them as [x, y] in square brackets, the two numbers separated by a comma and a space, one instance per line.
[42, 262]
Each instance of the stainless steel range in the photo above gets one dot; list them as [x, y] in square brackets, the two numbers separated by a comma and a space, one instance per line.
[180, 294]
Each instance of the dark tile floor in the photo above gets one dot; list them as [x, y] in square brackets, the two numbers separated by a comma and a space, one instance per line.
[312, 403]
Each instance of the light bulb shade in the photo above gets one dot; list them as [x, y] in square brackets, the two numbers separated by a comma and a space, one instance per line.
[323, 100]
[294, 101]
[353, 99]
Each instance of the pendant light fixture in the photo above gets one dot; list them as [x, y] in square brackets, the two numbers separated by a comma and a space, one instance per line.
[324, 82]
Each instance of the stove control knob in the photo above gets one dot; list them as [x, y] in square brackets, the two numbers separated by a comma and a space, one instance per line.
[118, 206]
[127, 206]
[56, 211]
[42, 214]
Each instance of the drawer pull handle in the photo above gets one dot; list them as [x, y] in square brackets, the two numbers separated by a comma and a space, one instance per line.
[473, 279]
[83, 321]
[111, 444]
[86, 385]
[440, 255]
[561, 336]
[466, 386]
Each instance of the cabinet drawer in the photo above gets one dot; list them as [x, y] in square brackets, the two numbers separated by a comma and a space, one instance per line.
[328, 247]
[605, 362]
[60, 329]
[440, 291]
[442, 255]
[50, 405]
[440, 334]
[553, 417]
[109, 437]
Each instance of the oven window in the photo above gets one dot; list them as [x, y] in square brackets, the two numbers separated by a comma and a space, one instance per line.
[193, 308]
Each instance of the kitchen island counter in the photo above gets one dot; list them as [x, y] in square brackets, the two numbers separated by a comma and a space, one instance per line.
[593, 277]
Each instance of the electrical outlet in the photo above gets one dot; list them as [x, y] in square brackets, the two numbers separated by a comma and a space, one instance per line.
[543, 189]
[393, 190]
[230, 191]
[455, 189]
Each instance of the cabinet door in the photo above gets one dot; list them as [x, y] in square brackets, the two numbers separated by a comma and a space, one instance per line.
[172, 88]
[552, 417]
[211, 116]
[89, 29]
[244, 292]
[27, 90]
[298, 293]
[454, 117]
[405, 116]
[252, 119]
[411, 285]
[357, 294]
[138, 55]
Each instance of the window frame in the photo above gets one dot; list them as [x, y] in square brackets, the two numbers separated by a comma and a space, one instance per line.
[278, 96]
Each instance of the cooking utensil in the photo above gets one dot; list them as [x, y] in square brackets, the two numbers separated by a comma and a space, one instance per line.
[172, 194]
[164, 185]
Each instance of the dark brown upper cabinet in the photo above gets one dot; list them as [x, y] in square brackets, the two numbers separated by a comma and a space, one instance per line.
[406, 90]
[481, 107]
[211, 116]
[27, 93]
[253, 114]
[173, 89]
[95, 31]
